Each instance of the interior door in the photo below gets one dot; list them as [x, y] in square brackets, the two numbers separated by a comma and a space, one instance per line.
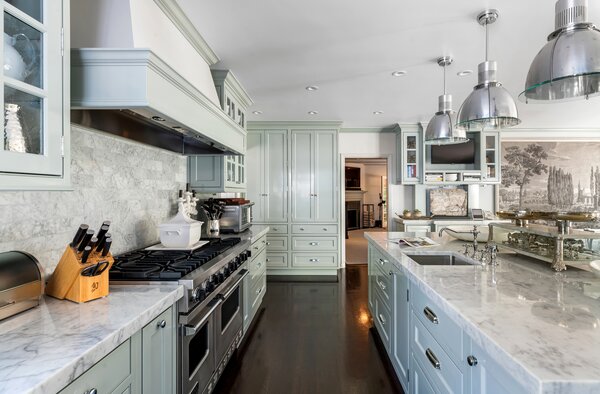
[255, 169]
[302, 175]
[276, 176]
[325, 176]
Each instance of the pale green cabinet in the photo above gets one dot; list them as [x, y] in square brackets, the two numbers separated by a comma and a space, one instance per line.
[217, 174]
[34, 151]
[401, 327]
[267, 165]
[233, 98]
[159, 341]
[409, 157]
[314, 176]
[490, 155]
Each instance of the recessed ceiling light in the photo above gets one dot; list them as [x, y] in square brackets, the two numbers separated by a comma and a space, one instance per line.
[377, 112]
[312, 88]
[464, 73]
[313, 113]
[257, 112]
[399, 73]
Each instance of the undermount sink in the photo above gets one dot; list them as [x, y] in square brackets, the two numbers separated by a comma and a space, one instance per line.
[439, 259]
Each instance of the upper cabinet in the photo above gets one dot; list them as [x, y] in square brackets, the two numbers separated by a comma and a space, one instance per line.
[34, 153]
[409, 164]
[217, 174]
[232, 96]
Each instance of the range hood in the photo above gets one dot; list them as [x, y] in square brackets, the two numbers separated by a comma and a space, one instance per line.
[139, 69]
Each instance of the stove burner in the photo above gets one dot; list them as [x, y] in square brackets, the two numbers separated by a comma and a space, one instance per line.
[160, 265]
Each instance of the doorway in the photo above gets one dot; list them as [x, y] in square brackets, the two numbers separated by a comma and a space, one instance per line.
[366, 204]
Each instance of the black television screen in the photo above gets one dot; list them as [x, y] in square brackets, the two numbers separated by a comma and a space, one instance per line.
[353, 178]
[453, 154]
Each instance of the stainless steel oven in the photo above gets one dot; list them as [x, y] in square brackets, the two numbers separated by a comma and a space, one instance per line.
[229, 319]
[236, 218]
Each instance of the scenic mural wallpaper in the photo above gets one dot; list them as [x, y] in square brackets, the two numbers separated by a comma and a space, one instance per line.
[550, 176]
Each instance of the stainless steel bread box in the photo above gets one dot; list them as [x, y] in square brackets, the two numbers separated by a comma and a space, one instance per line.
[21, 283]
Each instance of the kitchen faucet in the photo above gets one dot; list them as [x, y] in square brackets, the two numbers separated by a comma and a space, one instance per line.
[475, 232]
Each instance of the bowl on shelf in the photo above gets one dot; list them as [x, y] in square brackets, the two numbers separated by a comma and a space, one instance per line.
[451, 177]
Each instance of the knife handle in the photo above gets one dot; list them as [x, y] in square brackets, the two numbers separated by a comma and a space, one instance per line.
[102, 234]
[79, 235]
[86, 239]
[93, 243]
[100, 244]
[106, 248]
[86, 254]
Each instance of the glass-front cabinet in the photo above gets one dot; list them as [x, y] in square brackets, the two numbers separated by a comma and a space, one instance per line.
[409, 148]
[34, 93]
[490, 146]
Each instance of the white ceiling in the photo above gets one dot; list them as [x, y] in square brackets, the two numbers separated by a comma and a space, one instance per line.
[349, 48]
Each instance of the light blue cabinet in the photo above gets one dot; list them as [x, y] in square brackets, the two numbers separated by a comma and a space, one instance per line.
[488, 377]
[34, 152]
[159, 341]
[217, 174]
[400, 334]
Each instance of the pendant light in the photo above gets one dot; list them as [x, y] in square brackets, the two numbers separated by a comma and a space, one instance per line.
[568, 66]
[489, 106]
[441, 129]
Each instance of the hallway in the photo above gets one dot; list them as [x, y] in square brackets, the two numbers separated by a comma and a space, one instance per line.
[357, 245]
[312, 338]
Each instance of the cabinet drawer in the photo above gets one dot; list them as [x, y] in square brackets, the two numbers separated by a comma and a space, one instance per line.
[384, 287]
[314, 229]
[275, 229]
[437, 364]
[381, 264]
[417, 229]
[443, 329]
[383, 322]
[277, 244]
[258, 245]
[257, 288]
[107, 375]
[258, 265]
[277, 260]
[315, 260]
[314, 243]
[420, 384]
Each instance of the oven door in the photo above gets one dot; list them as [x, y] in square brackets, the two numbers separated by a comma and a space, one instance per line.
[229, 318]
[198, 350]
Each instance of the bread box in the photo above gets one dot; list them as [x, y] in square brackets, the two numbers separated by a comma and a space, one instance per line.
[21, 283]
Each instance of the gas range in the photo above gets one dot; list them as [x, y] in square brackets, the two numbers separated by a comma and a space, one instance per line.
[200, 271]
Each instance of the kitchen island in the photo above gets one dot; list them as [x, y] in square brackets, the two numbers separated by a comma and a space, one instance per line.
[46, 348]
[516, 327]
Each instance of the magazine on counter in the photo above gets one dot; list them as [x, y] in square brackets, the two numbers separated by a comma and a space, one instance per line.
[417, 242]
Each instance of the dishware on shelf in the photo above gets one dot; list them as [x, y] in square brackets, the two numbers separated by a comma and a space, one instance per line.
[18, 64]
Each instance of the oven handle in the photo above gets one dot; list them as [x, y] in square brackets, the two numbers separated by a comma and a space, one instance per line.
[235, 284]
[192, 329]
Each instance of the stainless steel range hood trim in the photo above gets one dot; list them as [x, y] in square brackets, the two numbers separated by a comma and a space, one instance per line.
[137, 81]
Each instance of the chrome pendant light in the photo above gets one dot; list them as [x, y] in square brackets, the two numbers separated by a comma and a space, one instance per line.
[441, 129]
[489, 106]
[568, 66]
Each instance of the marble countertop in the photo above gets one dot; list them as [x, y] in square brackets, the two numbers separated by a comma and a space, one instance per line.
[451, 222]
[253, 233]
[543, 327]
[44, 349]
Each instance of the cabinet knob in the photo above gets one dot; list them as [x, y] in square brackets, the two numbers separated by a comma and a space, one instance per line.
[301, 228]
[160, 324]
[267, 260]
[314, 260]
[314, 244]
[91, 391]
[472, 361]
[324, 228]
[268, 243]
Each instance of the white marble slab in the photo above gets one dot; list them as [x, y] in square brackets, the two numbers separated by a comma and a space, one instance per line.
[258, 230]
[542, 327]
[44, 349]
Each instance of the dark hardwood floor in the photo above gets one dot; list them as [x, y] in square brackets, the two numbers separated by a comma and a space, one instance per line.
[312, 338]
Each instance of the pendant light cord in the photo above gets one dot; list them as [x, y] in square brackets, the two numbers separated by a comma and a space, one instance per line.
[444, 79]
[487, 41]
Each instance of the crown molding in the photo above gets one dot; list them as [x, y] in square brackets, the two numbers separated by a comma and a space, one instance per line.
[187, 28]
[371, 130]
[294, 124]
[228, 78]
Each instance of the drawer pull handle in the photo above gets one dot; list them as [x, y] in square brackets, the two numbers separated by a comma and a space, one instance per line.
[381, 318]
[265, 242]
[430, 315]
[268, 243]
[381, 285]
[432, 359]
[314, 260]
[314, 244]
[324, 228]
[267, 260]
[256, 247]
[390, 273]
[301, 228]
[472, 361]
[259, 291]
[161, 324]
[91, 391]
[382, 261]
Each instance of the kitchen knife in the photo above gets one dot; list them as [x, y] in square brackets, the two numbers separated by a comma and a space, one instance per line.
[86, 240]
[86, 254]
[101, 236]
[106, 248]
[93, 243]
[79, 235]
[100, 244]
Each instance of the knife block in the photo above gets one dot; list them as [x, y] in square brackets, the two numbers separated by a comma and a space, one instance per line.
[68, 283]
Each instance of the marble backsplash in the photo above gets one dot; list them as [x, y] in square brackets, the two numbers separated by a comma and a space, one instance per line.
[132, 185]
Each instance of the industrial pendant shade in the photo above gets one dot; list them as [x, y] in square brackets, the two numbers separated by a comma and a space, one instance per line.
[568, 66]
[489, 106]
[441, 129]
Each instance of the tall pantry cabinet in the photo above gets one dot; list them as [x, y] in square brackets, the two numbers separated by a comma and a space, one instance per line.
[294, 181]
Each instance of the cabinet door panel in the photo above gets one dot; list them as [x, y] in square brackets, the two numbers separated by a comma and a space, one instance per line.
[325, 176]
[400, 335]
[276, 176]
[255, 168]
[206, 172]
[302, 176]
[158, 354]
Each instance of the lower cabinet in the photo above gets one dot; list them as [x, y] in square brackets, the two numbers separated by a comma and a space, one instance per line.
[255, 283]
[419, 383]
[488, 377]
[144, 363]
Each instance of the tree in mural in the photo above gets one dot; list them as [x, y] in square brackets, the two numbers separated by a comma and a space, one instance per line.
[560, 188]
[521, 165]
[595, 186]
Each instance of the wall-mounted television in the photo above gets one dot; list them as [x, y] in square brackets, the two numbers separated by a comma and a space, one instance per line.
[454, 154]
[352, 178]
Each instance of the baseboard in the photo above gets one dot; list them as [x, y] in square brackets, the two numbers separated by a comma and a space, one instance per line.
[302, 278]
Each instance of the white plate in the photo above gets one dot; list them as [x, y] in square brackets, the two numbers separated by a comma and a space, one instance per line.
[195, 246]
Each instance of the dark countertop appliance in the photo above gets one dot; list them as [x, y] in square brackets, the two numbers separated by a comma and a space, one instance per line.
[211, 310]
[21, 283]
